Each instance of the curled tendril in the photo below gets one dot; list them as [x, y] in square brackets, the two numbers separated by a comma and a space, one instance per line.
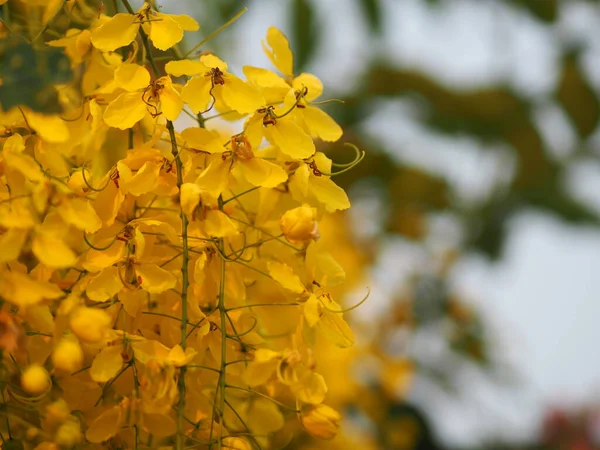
[100, 249]
[360, 155]
[239, 335]
[90, 187]
[237, 254]
[331, 100]
[342, 311]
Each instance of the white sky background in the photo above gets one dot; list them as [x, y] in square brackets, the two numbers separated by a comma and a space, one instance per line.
[541, 300]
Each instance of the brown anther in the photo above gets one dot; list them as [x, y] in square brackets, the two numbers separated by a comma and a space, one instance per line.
[213, 326]
[115, 177]
[315, 169]
[167, 166]
[241, 147]
[216, 76]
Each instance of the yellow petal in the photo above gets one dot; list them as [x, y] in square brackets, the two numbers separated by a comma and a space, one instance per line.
[179, 358]
[332, 196]
[310, 82]
[171, 103]
[105, 426]
[18, 288]
[125, 111]
[144, 180]
[51, 129]
[214, 179]
[106, 364]
[260, 172]
[149, 349]
[290, 139]
[213, 61]
[202, 139]
[132, 77]
[90, 324]
[189, 198]
[155, 279]
[196, 93]
[185, 67]
[262, 416]
[321, 125]
[323, 267]
[284, 275]
[117, 32]
[164, 32]
[97, 260]
[312, 310]
[267, 79]
[133, 301]
[159, 425]
[52, 251]
[108, 202]
[105, 285]
[311, 389]
[11, 243]
[24, 164]
[279, 53]
[333, 326]
[14, 144]
[80, 213]
[218, 224]
[240, 96]
[186, 22]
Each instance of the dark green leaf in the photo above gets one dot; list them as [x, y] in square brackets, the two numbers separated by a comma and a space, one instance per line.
[372, 12]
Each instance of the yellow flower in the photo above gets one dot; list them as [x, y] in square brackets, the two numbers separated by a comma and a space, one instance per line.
[298, 92]
[236, 443]
[212, 83]
[69, 433]
[321, 421]
[35, 379]
[164, 30]
[299, 225]
[141, 97]
[67, 355]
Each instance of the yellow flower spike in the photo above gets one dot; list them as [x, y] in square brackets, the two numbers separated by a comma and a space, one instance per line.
[300, 225]
[321, 421]
[279, 53]
[67, 355]
[89, 324]
[35, 379]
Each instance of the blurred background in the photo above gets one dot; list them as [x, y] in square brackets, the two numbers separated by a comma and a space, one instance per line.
[475, 212]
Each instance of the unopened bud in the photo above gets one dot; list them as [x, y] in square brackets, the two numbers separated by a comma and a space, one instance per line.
[89, 324]
[35, 379]
[300, 225]
[321, 421]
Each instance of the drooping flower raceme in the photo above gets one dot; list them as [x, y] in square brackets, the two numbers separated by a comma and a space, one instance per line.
[162, 287]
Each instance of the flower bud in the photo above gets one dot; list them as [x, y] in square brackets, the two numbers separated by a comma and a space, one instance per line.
[35, 379]
[89, 324]
[67, 355]
[321, 421]
[300, 225]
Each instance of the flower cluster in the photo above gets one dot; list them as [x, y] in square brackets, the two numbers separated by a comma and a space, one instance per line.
[162, 287]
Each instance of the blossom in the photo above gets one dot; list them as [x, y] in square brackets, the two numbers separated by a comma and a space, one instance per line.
[164, 30]
[299, 225]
